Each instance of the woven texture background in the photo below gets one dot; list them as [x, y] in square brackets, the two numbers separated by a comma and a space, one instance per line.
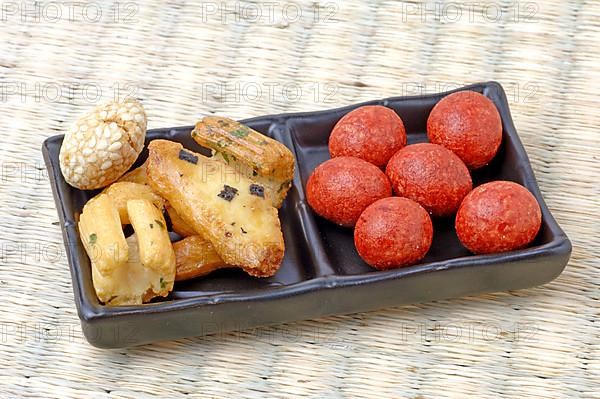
[189, 59]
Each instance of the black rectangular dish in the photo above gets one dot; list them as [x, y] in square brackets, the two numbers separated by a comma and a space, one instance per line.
[322, 273]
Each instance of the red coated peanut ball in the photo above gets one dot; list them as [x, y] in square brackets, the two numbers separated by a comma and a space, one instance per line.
[341, 188]
[431, 175]
[468, 124]
[372, 132]
[497, 217]
[393, 232]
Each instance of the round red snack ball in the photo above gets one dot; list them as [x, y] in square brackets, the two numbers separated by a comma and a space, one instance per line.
[431, 175]
[341, 188]
[372, 132]
[498, 216]
[468, 124]
[393, 232]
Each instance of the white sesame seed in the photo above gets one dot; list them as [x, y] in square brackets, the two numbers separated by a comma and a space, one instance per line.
[102, 144]
[115, 146]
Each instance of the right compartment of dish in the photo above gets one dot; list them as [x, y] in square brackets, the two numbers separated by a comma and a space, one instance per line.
[335, 248]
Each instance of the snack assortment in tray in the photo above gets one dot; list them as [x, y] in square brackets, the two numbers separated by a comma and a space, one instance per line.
[294, 216]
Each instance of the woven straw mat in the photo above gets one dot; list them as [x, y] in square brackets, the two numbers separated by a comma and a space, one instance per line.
[188, 59]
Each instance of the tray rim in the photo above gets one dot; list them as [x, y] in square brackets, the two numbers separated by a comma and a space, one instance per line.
[90, 312]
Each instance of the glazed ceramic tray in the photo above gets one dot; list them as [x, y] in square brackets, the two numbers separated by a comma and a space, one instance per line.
[321, 273]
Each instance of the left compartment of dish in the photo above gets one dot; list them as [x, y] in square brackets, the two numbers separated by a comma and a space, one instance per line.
[296, 266]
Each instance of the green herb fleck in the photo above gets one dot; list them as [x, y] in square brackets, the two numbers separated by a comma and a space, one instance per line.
[93, 238]
[225, 157]
[158, 222]
[163, 283]
[243, 131]
[263, 142]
